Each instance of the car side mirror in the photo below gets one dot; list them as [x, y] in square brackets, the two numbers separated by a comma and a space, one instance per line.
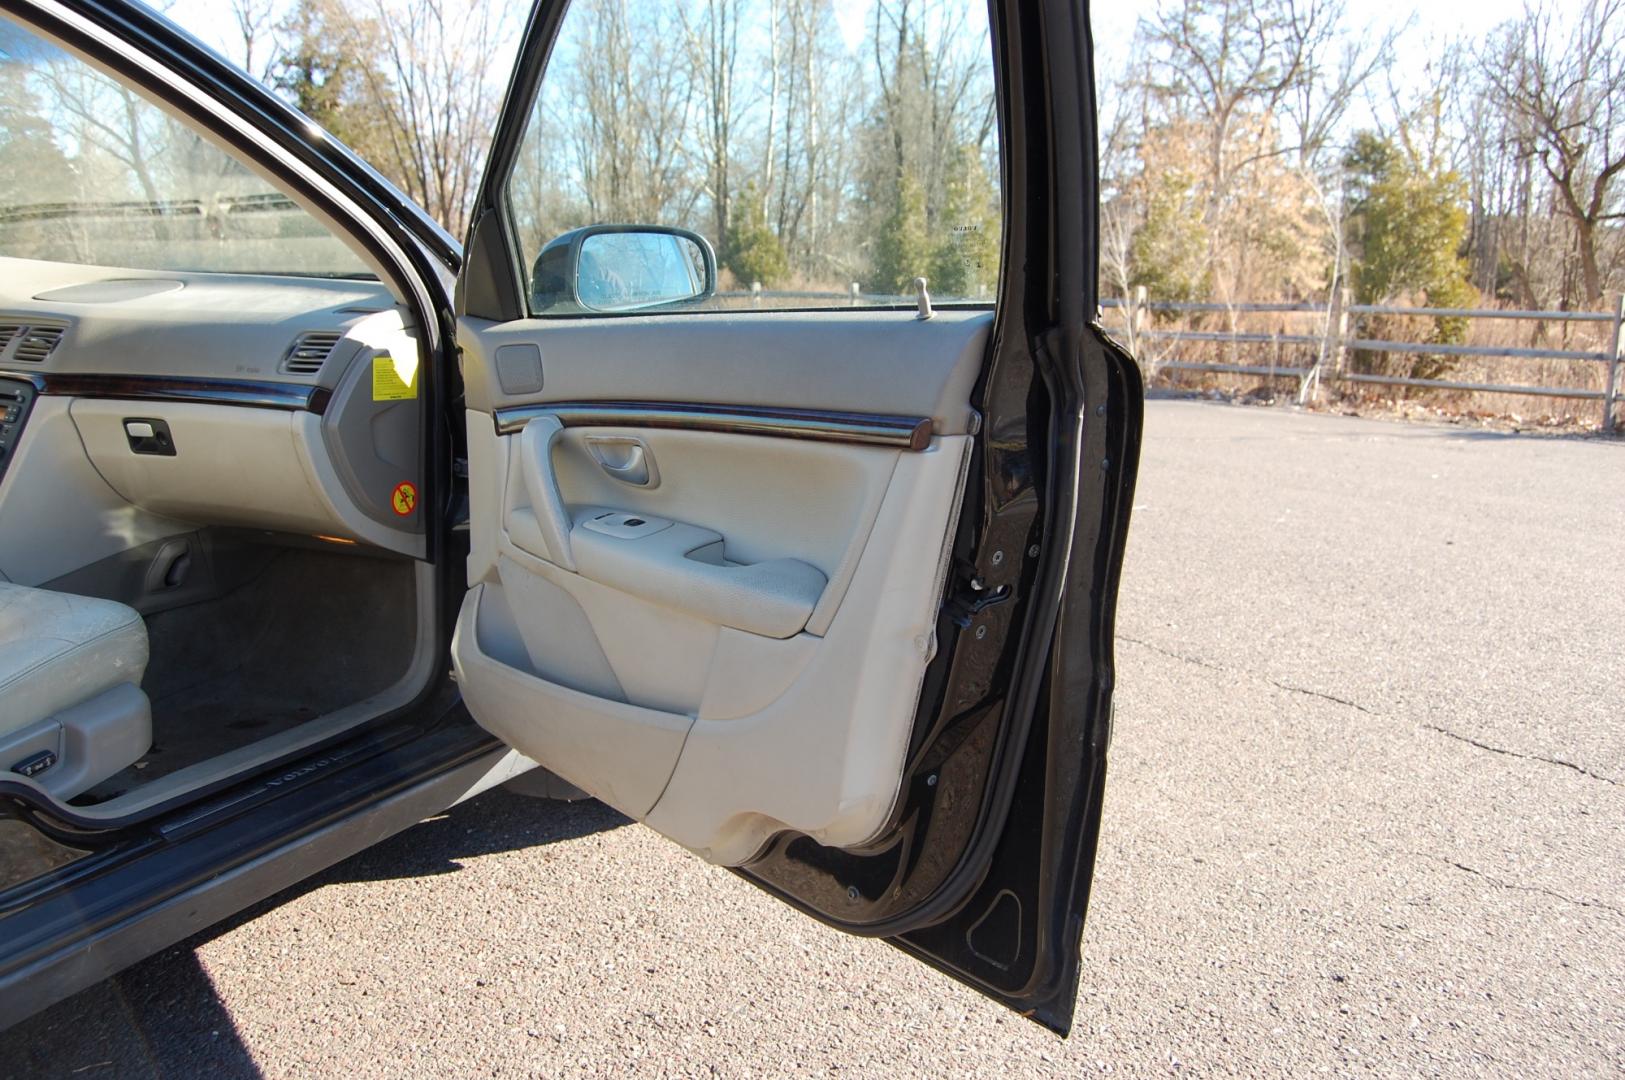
[620, 268]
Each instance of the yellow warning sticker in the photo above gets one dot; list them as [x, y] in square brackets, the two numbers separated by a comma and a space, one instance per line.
[394, 380]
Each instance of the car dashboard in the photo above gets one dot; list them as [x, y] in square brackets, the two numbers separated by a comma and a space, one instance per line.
[138, 404]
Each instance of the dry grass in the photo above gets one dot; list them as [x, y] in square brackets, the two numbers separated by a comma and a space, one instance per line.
[1524, 410]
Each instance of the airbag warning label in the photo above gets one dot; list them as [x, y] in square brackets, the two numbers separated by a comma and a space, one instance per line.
[394, 380]
[404, 499]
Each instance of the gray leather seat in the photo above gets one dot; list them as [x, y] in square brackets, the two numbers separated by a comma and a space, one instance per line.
[71, 709]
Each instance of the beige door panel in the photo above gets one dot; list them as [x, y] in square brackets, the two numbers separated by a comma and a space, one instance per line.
[849, 361]
[752, 544]
[826, 755]
[659, 656]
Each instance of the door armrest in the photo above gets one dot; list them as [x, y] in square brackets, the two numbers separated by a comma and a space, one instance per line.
[683, 567]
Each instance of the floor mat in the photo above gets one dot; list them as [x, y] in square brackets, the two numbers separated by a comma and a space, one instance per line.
[311, 633]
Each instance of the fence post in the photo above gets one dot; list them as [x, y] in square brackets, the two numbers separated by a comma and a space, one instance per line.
[855, 294]
[1137, 320]
[1611, 388]
[756, 294]
[1340, 331]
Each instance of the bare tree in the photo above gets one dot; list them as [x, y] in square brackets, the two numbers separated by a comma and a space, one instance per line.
[110, 119]
[627, 100]
[257, 26]
[1230, 70]
[1219, 61]
[1568, 94]
[441, 106]
[1335, 66]
[713, 46]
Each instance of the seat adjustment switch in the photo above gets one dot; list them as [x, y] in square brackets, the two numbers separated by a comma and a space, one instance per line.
[38, 763]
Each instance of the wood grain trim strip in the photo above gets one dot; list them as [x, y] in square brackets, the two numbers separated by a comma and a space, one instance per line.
[902, 432]
[245, 393]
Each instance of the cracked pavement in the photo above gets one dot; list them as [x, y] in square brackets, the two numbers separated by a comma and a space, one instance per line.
[1364, 815]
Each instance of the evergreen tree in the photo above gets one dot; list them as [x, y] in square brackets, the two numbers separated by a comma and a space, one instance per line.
[329, 73]
[753, 251]
[1408, 231]
[902, 250]
[966, 260]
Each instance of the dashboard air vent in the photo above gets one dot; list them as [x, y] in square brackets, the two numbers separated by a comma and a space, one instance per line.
[7, 332]
[37, 343]
[310, 350]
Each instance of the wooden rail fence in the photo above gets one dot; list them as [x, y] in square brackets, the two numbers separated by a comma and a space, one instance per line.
[1337, 340]
[1130, 318]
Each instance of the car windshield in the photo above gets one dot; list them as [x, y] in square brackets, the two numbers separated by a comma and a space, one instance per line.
[92, 173]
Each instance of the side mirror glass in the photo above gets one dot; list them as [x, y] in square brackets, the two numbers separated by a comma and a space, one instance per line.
[621, 268]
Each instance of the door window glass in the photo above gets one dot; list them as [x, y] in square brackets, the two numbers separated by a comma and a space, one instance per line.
[92, 173]
[829, 152]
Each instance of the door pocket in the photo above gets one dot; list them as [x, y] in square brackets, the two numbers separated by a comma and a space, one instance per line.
[623, 754]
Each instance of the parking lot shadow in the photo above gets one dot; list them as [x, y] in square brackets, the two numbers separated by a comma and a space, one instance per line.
[495, 822]
[162, 1017]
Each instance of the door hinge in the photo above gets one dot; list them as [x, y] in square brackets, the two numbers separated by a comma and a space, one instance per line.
[972, 596]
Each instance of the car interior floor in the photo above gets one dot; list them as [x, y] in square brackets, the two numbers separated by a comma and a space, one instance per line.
[301, 633]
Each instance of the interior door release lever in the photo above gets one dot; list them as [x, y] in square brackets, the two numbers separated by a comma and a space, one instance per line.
[626, 458]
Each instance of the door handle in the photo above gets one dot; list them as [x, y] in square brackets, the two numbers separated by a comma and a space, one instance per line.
[551, 522]
[626, 458]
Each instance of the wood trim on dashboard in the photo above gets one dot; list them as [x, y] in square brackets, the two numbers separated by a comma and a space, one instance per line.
[248, 393]
[903, 432]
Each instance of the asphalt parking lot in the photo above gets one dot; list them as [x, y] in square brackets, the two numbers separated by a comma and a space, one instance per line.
[1365, 814]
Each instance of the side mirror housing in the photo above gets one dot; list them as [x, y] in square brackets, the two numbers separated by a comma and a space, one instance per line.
[606, 269]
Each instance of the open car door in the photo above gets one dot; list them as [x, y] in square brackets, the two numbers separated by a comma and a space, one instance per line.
[824, 595]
